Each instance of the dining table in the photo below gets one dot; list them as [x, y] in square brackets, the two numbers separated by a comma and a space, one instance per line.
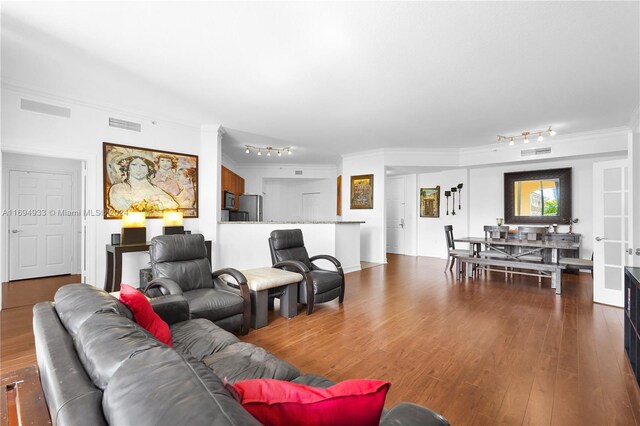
[548, 249]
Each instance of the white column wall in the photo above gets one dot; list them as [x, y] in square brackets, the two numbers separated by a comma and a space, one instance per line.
[373, 231]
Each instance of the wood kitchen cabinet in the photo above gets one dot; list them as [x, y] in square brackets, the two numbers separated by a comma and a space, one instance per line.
[230, 182]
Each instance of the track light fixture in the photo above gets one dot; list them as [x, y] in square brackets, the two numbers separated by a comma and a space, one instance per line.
[525, 136]
[258, 149]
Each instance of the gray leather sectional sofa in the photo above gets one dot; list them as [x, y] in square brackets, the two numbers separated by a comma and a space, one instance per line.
[97, 366]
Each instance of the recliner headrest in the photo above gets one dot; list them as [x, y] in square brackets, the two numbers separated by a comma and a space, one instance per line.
[172, 248]
[287, 238]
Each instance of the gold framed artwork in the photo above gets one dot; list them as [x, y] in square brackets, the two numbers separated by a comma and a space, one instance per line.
[148, 180]
[430, 202]
[339, 196]
[362, 192]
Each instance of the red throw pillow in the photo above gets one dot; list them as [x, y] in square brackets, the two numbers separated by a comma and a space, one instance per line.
[144, 314]
[277, 402]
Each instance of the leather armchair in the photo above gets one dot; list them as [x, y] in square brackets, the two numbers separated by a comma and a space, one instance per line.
[179, 265]
[319, 285]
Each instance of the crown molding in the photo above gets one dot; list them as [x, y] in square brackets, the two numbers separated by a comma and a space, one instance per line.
[21, 89]
[364, 154]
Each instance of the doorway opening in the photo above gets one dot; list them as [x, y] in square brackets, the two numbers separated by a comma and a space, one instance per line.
[43, 222]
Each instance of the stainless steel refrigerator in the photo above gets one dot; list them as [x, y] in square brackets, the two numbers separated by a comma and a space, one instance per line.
[252, 204]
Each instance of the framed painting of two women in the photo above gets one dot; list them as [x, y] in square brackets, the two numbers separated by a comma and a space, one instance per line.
[150, 181]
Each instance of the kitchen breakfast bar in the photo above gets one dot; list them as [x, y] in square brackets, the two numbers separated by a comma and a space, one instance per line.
[244, 245]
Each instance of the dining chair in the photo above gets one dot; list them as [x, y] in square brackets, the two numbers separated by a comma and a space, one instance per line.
[531, 233]
[452, 251]
[493, 232]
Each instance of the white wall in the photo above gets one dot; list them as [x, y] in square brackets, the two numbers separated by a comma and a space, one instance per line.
[80, 137]
[255, 174]
[283, 198]
[430, 231]
[373, 231]
[48, 165]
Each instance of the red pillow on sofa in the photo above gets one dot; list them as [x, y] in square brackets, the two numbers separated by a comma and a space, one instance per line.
[278, 402]
[144, 314]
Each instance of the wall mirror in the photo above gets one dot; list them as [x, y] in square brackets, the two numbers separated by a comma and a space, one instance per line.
[538, 197]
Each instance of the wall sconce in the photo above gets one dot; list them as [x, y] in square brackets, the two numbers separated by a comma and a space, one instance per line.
[134, 229]
[172, 223]
[447, 194]
[453, 192]
[459, 196]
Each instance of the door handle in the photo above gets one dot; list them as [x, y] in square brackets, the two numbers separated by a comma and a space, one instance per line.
[402, 223]
[630, 251]
[600, 238]
[15, 231]
[638, 252]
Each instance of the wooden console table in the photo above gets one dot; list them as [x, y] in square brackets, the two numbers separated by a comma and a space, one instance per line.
[113, 276]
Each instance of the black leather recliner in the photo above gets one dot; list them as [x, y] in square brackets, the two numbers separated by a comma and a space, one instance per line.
[319, 285]
[179, 265]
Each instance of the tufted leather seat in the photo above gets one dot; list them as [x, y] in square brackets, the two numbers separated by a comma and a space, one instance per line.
[319, 285]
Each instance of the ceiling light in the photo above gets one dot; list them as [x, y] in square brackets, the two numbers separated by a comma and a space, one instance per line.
[269, 149]
[525, 136]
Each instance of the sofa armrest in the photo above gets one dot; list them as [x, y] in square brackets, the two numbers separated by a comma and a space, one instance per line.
[241, 285]
[172, 308]
[407, 413]
[165, 285]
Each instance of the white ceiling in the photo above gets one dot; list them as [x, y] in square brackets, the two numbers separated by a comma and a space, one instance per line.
[342, 77]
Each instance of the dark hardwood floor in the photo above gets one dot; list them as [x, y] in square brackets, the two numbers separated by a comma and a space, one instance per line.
[486, 351]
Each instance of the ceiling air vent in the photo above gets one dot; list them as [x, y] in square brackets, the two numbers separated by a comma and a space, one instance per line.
[43, 108]
[298, 172]
[536, 151]
[123, 124]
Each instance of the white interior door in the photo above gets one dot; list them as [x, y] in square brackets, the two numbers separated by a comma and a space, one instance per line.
[611, 231]
[39, 231]
[395, 206]
[311, 206]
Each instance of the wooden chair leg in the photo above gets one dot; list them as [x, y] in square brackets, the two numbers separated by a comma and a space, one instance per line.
[453, 259]
[446, 266]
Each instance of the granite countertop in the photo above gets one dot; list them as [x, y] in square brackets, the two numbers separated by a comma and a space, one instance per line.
[317, 222]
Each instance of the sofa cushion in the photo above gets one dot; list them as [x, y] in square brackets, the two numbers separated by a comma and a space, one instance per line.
[200, 338]
[75, 303]
[107, 340]
[143, 313]
[280, 403]
[175, 392]
[243, 361]
[213, 304]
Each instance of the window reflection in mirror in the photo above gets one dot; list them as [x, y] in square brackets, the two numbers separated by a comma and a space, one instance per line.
[536, 197]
